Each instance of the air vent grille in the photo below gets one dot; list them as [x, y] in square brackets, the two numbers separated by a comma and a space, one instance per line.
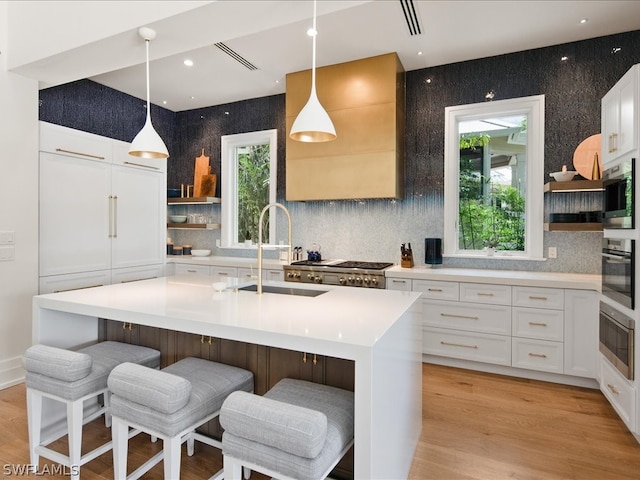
[236, 56]
[409, 10]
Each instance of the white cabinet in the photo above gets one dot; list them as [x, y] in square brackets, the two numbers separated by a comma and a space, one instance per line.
[185, 269]
[619, 117]
[620, 393]
[222, 274]
[550, 330]
[97, 210]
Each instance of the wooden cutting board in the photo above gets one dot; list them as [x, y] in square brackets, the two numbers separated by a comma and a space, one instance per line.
[208, 185]
[586, 154]
[202, 168]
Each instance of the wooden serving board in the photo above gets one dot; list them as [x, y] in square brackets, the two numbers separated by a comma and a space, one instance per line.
[208, 185]
[202, 168]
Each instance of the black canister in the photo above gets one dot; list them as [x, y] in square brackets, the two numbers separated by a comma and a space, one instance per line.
[433, 251]
[177, 250]
[186, 249]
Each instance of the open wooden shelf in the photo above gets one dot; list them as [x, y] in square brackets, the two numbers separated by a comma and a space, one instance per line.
[574, 186]
[191, 200]
[573, 227]
[193, 226]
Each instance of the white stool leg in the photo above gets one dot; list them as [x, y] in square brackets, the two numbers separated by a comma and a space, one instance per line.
[120, 437]
[34, 420]
[74, 434]
[191, 442]
[232, 468]
[246, 472]
[172, 457]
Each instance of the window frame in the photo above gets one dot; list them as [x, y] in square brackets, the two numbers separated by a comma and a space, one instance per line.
[533, 108]
[229, 190]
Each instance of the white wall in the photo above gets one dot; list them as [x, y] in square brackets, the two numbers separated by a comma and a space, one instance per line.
[18, 209]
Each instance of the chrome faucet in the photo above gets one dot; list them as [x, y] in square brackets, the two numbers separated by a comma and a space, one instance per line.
[284, 209]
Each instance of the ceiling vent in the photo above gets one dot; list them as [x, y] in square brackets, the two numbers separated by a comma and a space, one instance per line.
[411, 17]
[236, 56]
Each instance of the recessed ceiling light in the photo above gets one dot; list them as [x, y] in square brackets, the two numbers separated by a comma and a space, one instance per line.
[311, 32]
[564, 58]
[226, 113]
[277, 81]
[584, 20]
[428, 80]
[193, 98]
[188, 62]
[164, 102]
[616, 49]
[420, 52]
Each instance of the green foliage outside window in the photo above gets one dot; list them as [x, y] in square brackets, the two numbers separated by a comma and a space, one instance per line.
[253, 191]
[490, 214]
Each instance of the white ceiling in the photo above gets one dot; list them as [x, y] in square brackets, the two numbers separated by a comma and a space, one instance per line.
[272, 36]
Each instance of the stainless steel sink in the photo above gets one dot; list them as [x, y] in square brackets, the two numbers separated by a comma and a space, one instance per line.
[284, 290]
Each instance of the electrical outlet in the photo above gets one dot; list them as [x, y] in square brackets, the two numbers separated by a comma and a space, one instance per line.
[7, 254]
[7, 238]
[553, 252]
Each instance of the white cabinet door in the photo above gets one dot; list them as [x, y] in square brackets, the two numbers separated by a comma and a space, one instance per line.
[222, 274]
[184, 269]
[581, 332]
[73, 214]
[619, 117]
[402, 284]
[139, 234]
[273, 275]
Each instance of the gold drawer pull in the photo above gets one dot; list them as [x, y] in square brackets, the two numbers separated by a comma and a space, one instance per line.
[453, 315]
[210, 341]
[434, 289]
[485, 294]
[398, 281]
[141, 165]
[537, 297]
[304, 358]
[538, 324]
[458, 345]
[613, 389]
[79, 153]
[539, 355]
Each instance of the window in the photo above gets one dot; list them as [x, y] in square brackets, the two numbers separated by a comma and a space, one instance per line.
[248, 184]
[494, 167]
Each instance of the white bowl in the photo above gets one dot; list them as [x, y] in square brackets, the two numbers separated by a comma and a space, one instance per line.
[563, 176]
[178, 218]
[200, 253]
[219, 286]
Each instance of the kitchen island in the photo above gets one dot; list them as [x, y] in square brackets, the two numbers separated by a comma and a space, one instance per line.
[379, 330]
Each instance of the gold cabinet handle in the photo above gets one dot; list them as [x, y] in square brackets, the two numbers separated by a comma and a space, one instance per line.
[304, 358]
[613, 389]
[79, 153]
[127, 326]
[539, 355]
[210, 341]
[315, 359]
[537, 297]
[453, 315]
[538, 324]
[124, 325]
[434, 289]
[141, 165]
[398, 281]
[485, 294]
[451, 344]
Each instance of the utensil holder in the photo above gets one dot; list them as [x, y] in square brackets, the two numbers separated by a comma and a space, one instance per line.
[406, 261]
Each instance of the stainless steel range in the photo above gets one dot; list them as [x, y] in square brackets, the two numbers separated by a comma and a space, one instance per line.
[348, 273]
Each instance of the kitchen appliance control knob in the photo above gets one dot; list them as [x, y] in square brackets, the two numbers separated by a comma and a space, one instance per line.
[296, 275]
[367, 280]
[374, 281]
[342, 281]
[358, 280]
[310, 276]
[318, 279]
[350, 279]
[290, 275]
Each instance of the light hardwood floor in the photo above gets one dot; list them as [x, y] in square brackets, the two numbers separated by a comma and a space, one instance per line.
[475, 426]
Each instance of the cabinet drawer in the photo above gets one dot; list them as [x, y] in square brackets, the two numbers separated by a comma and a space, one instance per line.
[402, 284]
[485, 293]
[620, 393]
[464, 316]
[273, 275]
[133, 274]
[75, 143]
[468, 346]
[182, 269]
[437, 290]
[537, 323]
[538, 355]
[248, 274]
[538, 297]
[74, 281]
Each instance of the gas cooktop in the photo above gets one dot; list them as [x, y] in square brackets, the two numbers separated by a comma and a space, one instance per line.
[349, 273]
[343, 264]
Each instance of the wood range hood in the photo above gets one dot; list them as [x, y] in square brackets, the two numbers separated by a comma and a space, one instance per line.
[365, 100]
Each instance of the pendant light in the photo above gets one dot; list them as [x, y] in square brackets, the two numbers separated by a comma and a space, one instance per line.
[313, 123]
[148, 143]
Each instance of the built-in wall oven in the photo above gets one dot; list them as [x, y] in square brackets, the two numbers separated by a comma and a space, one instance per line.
[618, 270]
[618, 199]
[617, 339]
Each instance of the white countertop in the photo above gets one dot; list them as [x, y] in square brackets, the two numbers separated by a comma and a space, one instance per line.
[576, 281]
[215, 260]
[332, 323]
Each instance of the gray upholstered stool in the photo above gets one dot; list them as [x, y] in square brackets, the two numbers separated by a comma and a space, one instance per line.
[169, 404]
[71, 377]
[297, 430]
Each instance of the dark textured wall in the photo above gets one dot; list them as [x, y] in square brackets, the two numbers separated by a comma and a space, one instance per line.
[572, 90]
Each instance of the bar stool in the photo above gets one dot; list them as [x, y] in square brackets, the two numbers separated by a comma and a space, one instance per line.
[169, 404]
[71, 377]
[297, 430]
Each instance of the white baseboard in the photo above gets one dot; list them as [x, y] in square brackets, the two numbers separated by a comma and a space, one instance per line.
[11, 372]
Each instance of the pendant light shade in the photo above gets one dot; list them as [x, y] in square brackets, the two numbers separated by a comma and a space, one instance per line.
[148, 143]
[313, 123]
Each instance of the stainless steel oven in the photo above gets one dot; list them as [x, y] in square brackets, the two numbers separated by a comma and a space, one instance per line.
[617, 339]
[618, 199]
[618, 270]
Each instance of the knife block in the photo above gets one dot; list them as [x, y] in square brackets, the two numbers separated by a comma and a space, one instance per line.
[406, 261]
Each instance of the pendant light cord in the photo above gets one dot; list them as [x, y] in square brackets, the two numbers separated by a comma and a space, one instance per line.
[146, 42]
[313, 56]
